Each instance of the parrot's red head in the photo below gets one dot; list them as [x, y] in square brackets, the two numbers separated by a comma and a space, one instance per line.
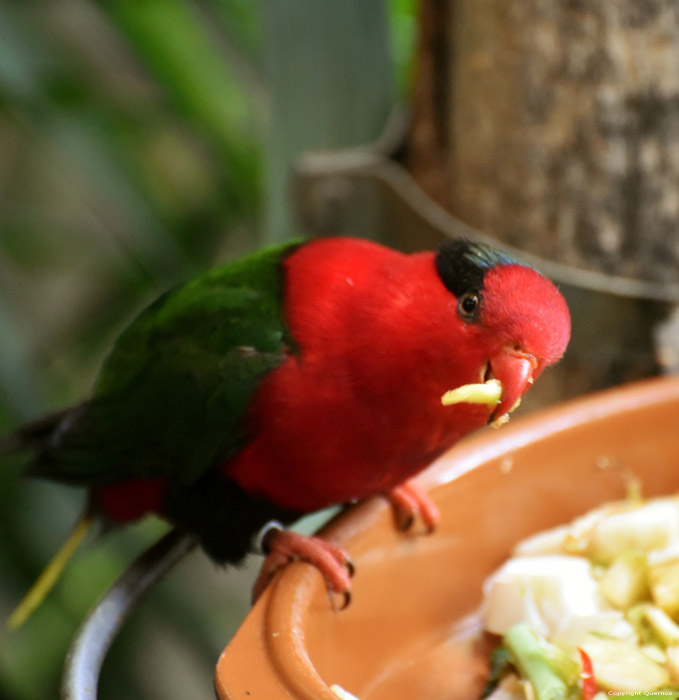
[517, 316]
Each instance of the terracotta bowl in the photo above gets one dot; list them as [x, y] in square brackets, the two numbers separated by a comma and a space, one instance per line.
[409, 630]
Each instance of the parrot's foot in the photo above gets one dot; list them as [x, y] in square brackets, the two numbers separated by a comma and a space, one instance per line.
[282, 547]
[409, 502]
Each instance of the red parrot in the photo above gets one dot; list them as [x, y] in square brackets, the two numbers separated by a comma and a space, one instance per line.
[299, 377]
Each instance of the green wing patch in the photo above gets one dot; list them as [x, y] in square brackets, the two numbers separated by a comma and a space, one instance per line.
[172, 397]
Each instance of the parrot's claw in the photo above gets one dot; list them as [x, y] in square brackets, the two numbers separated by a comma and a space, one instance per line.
[283, 546]
[409, 502]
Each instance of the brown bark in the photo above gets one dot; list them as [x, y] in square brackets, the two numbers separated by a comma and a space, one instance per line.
[562, 126]
[428, 139]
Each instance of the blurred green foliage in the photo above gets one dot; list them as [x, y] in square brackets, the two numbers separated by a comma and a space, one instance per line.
[142, 141]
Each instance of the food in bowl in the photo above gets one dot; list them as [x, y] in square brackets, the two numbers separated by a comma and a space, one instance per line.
[589, 607]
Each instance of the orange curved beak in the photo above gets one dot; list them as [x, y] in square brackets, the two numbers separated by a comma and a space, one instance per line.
[515, 369]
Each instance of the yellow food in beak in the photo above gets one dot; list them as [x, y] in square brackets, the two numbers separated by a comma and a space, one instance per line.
[488, 393]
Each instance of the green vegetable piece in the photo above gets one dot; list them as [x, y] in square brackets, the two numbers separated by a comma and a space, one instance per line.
[634, 528]
[624, 583]
[662, 624]
[533, 662]
[664, 581]
[499, 664]
[621, 666]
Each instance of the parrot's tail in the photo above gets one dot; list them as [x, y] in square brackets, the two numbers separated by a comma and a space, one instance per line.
[39, 438]
[35, 434]
[50, 575]
[37, 447]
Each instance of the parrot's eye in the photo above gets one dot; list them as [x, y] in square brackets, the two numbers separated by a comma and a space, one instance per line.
[469, 305]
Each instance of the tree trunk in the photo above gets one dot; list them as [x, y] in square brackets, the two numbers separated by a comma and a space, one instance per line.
[562, 120]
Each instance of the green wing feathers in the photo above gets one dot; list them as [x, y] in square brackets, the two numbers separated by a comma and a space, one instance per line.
[172, 397]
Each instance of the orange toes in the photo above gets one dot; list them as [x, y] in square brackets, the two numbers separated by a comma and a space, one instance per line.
[282, 547]
[410, 502]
